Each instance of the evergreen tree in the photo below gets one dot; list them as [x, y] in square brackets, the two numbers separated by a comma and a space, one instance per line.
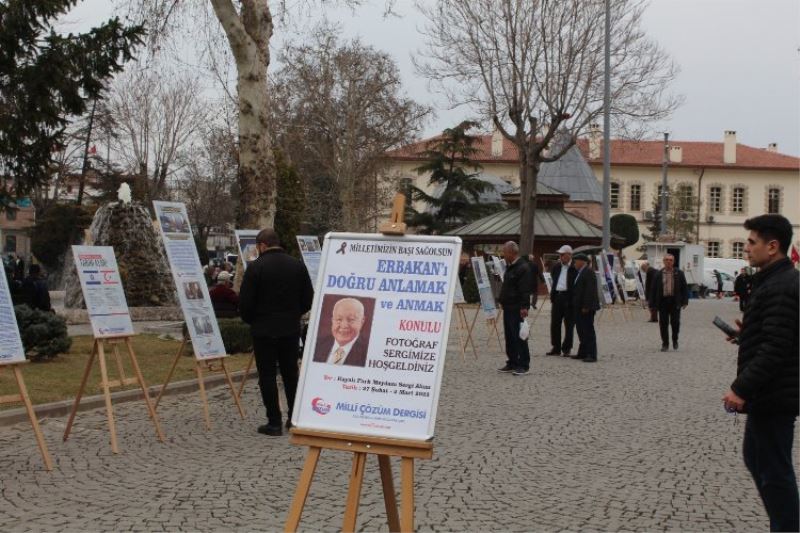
[452, 171]
[44, 78]
[289, 204]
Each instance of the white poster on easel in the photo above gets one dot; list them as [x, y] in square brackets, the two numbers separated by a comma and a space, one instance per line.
[459, 296]
[312, 254]
[11, 348]
[377, 337]
[103, 291]
[187, 272]
[246, 240]
[548, 280]
[484, 288]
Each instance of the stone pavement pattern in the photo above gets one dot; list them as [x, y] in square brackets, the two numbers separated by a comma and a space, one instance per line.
[638, 441]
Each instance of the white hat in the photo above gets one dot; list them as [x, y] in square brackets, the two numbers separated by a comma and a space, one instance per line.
[566, 249]
[224, 276]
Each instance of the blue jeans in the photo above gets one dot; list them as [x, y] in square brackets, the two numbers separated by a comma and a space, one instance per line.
[767, 450]
[516, 349]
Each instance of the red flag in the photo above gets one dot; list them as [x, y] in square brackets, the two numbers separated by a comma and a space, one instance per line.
[92, 150]
[795, 255]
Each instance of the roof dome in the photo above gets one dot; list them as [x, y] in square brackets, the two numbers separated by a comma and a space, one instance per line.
[571, 174]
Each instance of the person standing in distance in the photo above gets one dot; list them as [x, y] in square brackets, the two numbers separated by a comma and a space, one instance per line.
[563, 274]
[670, 294]
[741, 286]
[515, 297]
[585, 304]
[276, 291]
[766, 384]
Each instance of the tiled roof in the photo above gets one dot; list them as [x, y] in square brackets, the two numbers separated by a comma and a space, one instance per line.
[547, 223]
[633, 153]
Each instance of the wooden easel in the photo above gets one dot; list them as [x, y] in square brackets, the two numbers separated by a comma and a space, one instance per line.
[361, 446]
[491, 324]
[198, 366]
[464, 327]
[99, 351]
[250, 361]
[26, 400]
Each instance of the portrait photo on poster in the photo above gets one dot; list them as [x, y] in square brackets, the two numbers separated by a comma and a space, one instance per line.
[345, 323]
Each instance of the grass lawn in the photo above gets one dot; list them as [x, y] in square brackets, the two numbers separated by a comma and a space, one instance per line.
[59, 378]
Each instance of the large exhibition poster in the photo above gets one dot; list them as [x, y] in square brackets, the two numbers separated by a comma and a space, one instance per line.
[173, 222]
[103, 291]
[377, 337]
[312, 254]
[246, 238]
[11, 349]
[484, 288]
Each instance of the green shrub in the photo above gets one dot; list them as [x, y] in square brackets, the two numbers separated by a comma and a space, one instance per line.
[235, 335]
[44, 335]
[470, 288]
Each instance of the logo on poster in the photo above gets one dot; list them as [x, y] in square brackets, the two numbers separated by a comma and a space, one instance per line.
[319, 406]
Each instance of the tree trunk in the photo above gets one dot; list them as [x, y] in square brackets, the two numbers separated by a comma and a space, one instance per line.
[85, 166]
[528, 176]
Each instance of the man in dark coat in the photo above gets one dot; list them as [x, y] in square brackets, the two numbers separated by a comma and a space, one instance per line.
[670, 294]
[515, 297]
[276, 291]
[345, 345]
[563, 274]
[34, 290]
[650, 273]
[224, 299]
[766, 385]
[741, 287]
[536, 277]
[585, 303]
[718, 278]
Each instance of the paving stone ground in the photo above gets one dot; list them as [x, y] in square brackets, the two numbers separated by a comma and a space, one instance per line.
[638, 441]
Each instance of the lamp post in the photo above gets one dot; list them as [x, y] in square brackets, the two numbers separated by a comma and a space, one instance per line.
[664, 189]
[607, 133]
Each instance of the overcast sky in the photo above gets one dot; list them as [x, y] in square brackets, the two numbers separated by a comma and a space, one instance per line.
[739, 61]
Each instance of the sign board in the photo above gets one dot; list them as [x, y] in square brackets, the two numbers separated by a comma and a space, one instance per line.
[173, 223]
[11, 349]
[103, 291]
[484, 288]
[499, 267]
[459, 296]
[377, 337]
[246, 239]
[603, 287]
[312, 253]
[640, 289]
[548, 280]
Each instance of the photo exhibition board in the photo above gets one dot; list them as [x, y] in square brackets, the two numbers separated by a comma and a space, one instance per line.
[187, 272]
[103, 291]
[377, 337]
[11, 349]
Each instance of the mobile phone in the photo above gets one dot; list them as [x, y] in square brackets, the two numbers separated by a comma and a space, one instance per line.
[726, 329]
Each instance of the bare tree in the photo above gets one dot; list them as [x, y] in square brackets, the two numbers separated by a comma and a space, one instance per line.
[534, 68]
[157, 115]
[340, 108]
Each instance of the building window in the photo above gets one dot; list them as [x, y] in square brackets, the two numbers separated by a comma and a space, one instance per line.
[737, 200]
[11, 244]
[685, 194]
[715, 199]
[737, 250]
[11, 214]
[712, 248]
[636, 197]
[774, 200]
[614, 195]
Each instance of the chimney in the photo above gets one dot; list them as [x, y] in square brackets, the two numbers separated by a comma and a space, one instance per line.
[729, 148]
[772, 147]
[497, 143]
[675, 154]
[595, 138]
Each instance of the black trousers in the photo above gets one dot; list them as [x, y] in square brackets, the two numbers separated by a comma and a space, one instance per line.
[669, 314]
[273, 353]
[517, 352]
[584, 323]
[767, 453]
[743, 302]
[561, 313]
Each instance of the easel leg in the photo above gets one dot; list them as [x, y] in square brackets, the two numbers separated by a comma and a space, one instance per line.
[140, 378]
[354, 492]
[303, 486]
[233, 389]
[120, 368]
[169, 376]
[389, 498]
[101, 355]
[86, 373]
[471, 329]
[461, 326]
[246, 373]
[202, 385]
[407, 494]
[23, 391]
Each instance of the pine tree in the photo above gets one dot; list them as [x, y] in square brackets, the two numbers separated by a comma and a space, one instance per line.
[46, 77]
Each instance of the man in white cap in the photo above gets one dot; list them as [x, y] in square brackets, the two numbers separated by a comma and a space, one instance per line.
[563, 274]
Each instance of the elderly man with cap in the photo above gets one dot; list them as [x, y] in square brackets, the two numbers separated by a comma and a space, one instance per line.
[515, 297]
[585, 304]
[224, 299]
[563, 274]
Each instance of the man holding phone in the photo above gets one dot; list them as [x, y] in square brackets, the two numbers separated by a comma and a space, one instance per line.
[766, 385]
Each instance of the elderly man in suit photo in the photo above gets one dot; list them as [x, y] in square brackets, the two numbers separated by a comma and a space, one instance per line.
[345, 345]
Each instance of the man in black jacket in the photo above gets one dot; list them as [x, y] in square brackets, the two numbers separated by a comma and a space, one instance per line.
[766, 385]
[670, 294]
[515, 297]
[276, 291]
[585, 303]
[563, 274]
[650, 273]
[741, 287]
